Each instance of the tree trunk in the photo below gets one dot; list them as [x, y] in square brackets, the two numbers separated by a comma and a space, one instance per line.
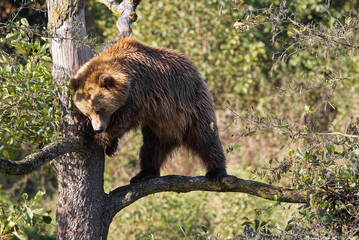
[81, 200]
[81, 197]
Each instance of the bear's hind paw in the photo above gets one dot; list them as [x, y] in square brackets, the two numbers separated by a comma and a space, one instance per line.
[217, 174]
[143, 176]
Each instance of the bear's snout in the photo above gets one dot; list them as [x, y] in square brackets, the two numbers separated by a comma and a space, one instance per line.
[100, 130]
[99, 123]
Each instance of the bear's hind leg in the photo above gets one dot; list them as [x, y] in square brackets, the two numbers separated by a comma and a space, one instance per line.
[204, 141]
[153, 154]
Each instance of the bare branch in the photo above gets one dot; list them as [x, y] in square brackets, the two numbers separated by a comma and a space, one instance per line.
[126, 195]
[339, 134]
[115, 7]
[46, 154]
[126, 12]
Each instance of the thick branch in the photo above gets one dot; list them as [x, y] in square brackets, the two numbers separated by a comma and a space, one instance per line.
[46, 154]
[126, 195]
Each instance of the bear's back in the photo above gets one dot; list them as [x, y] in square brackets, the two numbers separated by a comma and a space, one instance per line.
[155, 70]
[164, 84]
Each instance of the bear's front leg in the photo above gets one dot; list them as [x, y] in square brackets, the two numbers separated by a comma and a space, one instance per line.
[153, 154]
[110, 150]
[107, 142]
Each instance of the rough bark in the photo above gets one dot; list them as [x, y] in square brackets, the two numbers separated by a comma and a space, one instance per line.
[82, 200]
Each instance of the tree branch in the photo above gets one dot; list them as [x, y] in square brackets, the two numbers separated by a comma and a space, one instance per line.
[126, 195]
[46, 154]
[126, 13]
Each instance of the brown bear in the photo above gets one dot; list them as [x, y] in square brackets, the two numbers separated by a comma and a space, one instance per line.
[131, 85]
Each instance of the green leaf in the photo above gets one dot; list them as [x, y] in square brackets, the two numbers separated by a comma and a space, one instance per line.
[29, 213]
[264, 223]
[25, 196]
[39, 195]
[46, 59]
[2, 147]
[24, 22]
[256, 224]
[39, 211]
[47, 219]
[21, 235]
[10, 35]
[11, 224]
[246, 223]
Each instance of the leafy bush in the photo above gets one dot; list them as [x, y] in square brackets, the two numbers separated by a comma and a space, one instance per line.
[29, 118]
[23, 220]
[29, 109]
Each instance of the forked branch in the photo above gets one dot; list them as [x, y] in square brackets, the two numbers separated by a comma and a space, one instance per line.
[46, 154]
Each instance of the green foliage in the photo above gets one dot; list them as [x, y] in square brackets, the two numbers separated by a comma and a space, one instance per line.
[23, 220]
[29, 119]
[325, 169]
[302, 41]
[29, 109]
[324, 53]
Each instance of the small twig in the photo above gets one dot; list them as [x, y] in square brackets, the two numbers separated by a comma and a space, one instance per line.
[340, 43]
[332, 134]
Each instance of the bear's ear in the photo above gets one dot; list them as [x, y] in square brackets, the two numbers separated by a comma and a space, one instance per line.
[105, 80]
[74, 84]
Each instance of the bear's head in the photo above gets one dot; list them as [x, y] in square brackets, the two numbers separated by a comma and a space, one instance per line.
[98, 94]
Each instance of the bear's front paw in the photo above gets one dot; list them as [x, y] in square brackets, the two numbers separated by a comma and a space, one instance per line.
[110, 150]
[217, 174]
[143, 176]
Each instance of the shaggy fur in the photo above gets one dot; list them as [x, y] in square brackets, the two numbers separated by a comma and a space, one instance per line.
[131, 84]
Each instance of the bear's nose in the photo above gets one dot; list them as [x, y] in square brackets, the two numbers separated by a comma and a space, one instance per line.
[100, 130]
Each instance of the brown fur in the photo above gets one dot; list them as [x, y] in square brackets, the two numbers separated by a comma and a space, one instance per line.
[131, 84]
